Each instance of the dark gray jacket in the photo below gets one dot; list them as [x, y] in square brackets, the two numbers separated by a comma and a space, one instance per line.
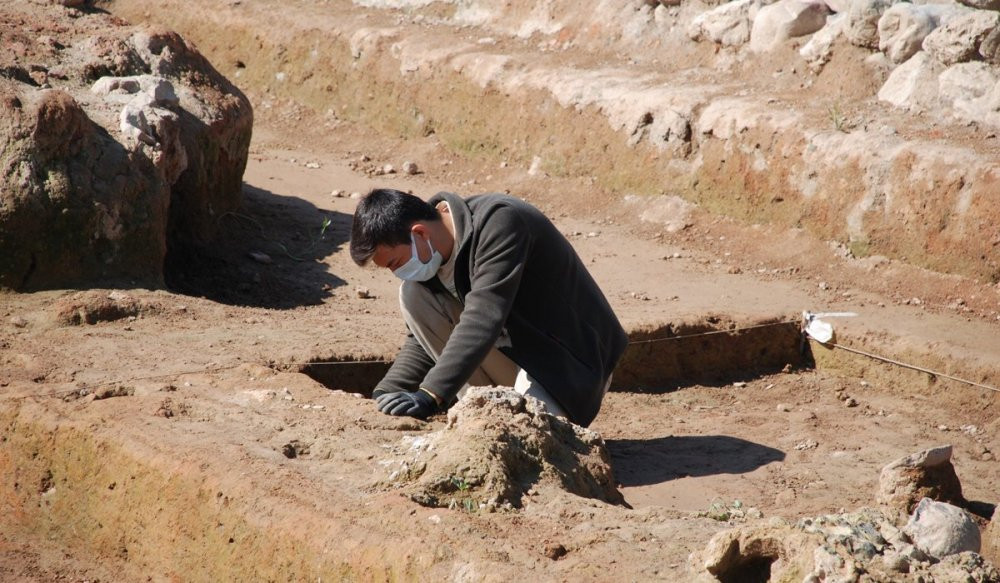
[514, 269]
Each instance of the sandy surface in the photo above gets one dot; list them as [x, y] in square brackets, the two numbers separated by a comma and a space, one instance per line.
[784, 443]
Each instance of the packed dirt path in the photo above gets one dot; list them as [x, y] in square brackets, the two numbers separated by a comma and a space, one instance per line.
[179, 435]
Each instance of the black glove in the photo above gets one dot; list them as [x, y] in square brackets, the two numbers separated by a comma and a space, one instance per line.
[416, 404]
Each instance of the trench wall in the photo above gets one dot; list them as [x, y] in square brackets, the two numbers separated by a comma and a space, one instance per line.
[100, 500]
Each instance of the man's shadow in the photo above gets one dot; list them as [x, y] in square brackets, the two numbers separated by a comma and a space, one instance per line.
[642, 462]
[267, 254]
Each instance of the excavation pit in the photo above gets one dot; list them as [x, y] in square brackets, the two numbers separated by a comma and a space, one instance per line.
[346, 374]
[712, 350]
[660, 358]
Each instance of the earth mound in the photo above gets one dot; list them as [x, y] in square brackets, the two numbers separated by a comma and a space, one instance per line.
[497, 448]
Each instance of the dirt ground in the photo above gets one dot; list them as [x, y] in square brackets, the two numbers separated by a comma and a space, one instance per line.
[784, 443]
[207, 364]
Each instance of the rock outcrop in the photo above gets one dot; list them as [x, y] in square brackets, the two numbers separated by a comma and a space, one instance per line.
[114, 140]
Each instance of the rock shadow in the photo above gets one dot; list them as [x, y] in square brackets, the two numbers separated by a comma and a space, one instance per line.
[642, 462]
[266, 254]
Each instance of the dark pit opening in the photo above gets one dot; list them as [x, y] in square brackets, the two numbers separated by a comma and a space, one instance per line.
[353, 375]
[748, 569]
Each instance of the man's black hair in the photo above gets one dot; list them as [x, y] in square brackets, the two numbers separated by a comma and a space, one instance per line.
[384, 217]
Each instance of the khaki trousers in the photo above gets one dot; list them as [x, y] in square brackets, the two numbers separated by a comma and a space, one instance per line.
[432, 317]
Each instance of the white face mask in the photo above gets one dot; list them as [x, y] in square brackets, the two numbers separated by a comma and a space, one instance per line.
[416, 270]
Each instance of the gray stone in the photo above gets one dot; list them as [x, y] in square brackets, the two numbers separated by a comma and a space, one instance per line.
[902, 29]
[727, 25]
[989, 49]
[963, 85]
[913, 85]
[896, 562]
[819, 49]
[940, 529]
[958, 39]
[862, 22]
[786, 19]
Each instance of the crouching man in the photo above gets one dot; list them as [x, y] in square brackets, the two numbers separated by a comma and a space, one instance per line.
[492, 294]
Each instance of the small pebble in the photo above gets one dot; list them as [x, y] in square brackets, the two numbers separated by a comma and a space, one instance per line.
[555, 551]
[260, 257]
[410, 168]
[783, 408]
[363, 293]
[851, 402]
[355, 195]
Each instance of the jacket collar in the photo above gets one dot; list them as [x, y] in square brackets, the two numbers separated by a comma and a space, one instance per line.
[461, 215]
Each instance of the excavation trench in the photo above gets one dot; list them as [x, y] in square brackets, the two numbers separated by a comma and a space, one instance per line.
[659, 358]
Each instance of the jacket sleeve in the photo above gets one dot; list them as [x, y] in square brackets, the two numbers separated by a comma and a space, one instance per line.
[499, 256]
[406, 372]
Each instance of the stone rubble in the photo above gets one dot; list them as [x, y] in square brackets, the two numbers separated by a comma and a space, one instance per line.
[918, 40]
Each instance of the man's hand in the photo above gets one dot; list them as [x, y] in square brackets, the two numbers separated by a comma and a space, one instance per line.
[418, 404]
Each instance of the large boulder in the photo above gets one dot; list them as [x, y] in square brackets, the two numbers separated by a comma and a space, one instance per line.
[497, 448]
[75, 204]
[965, 84]
[727, 25]
[786, 19]
[115, 141]
[861, 28]
[903, 28]
[959, 39]
[914, 84]
[940, 529]
[903, 483]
